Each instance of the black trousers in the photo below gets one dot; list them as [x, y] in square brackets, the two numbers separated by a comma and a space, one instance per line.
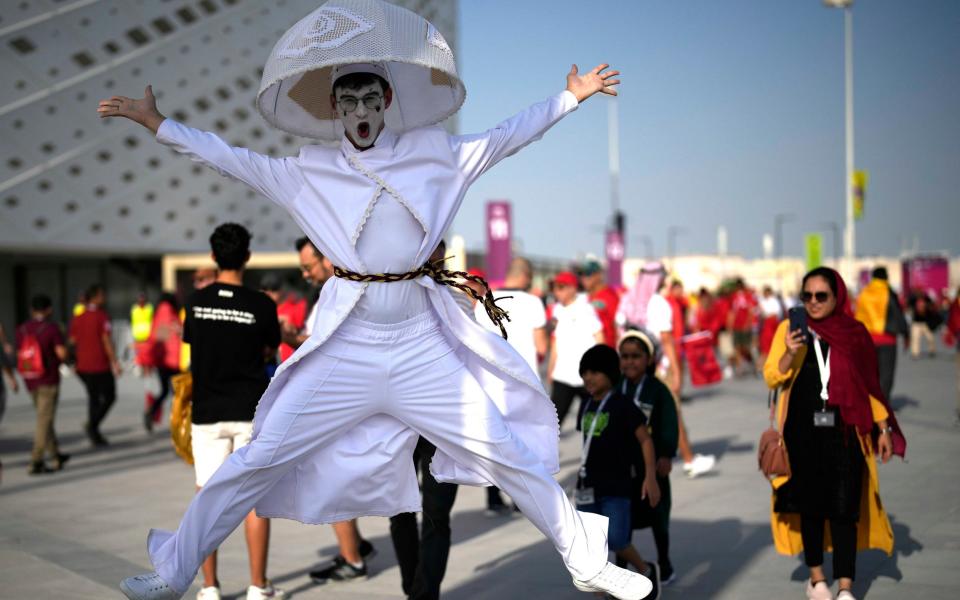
[887, 366]
[165, 375]
[562, 396]
[423, 557]
[101, 394]
[843, 532]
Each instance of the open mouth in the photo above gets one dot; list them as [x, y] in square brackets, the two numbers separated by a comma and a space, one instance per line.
[363, 129]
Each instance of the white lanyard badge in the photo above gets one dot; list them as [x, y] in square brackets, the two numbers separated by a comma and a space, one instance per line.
[636, 395]
[586, 444]
[824, 366]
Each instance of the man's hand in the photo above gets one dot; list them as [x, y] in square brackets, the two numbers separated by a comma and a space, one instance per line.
[584, 86]
[143, 110]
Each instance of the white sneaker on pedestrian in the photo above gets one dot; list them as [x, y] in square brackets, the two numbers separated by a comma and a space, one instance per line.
[845, 595]
[211, 592]
[148, 586]
[818, 591]
[619, 583]
[701, 463]
[267, 592]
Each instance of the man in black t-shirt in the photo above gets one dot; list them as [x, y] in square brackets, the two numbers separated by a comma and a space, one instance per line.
[231, 331]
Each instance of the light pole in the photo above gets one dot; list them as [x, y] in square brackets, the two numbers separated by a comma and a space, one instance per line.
[647, 242]
[615, 240]
[835, 230]
[778, 220]
[849, 234]
[672, 232]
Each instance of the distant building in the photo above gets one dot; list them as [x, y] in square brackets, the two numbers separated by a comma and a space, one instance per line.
[84, 199]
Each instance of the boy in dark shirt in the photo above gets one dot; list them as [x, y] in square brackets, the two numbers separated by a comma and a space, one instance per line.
[231, 331]
[612, 427]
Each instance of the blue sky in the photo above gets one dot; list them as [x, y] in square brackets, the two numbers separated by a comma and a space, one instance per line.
[730, 113]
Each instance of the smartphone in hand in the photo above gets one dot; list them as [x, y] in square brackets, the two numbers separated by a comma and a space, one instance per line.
[798, 320]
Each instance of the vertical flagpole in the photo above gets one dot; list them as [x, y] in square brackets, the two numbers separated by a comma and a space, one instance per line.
[850, 237]
[613, 138]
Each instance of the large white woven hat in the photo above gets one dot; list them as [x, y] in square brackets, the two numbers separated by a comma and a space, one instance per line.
[295, 90]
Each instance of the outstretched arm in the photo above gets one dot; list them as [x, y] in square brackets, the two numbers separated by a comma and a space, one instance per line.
[588, 84]
[142, 110]
[477, 153]
[278, 179]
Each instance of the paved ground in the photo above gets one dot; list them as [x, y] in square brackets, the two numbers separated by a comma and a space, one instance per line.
[75, 534]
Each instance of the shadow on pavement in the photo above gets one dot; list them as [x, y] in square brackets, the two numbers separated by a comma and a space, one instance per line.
[703, 569]
[871, 564]
[120, 456]
[898, 403]
[693, 394]
[720, 446]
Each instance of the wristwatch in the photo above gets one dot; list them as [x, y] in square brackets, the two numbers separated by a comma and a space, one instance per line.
[886, 429]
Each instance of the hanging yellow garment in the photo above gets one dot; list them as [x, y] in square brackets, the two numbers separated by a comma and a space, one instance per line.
[181, 414]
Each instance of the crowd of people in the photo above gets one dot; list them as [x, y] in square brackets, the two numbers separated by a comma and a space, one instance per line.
[614, 358]
[399, 356]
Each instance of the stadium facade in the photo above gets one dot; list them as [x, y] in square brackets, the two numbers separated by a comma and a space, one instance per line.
[85, 200]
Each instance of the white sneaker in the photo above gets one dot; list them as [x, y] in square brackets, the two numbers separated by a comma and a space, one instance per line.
[845, 595]
[148, 586]
[619, 583]
[700, 464]
[267, 592]
[818, 591]
[211, 592]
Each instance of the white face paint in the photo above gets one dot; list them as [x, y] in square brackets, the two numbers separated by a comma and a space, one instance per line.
[362, 124]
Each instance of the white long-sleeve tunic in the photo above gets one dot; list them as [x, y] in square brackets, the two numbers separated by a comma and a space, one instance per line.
[385, 210]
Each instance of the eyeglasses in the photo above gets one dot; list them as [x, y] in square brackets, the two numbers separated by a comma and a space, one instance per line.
[306, 268]
[821, 297]
[350, 103]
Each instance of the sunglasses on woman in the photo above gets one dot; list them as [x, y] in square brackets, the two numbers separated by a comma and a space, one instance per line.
[821, 297]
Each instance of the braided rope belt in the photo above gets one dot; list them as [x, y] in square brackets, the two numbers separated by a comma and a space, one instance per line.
[443, 277]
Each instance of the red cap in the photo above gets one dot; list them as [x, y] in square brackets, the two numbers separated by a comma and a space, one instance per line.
[565, 278]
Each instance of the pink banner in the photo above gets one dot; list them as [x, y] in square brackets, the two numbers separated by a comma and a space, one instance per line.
[615, 251]
[929, 274]
[499, 238]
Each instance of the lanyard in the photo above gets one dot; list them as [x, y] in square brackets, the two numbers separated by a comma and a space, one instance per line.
[636, 395]
[824, 367]
[593, 426]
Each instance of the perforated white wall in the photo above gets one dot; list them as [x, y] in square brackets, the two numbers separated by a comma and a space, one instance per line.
[70, 181]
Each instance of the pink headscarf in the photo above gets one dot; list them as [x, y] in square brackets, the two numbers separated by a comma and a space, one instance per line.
[633, 305]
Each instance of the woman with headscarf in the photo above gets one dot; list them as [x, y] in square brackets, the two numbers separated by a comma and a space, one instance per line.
[834, 418]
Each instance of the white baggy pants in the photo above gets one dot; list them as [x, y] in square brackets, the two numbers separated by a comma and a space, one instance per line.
[409, 371]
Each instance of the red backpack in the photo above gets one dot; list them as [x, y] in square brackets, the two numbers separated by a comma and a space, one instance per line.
[30, 357]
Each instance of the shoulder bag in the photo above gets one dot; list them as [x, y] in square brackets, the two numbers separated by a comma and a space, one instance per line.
[772, 453]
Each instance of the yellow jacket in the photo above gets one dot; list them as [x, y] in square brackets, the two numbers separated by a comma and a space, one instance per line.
[873, 529]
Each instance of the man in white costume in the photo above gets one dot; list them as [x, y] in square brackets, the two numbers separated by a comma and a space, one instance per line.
[390, 357]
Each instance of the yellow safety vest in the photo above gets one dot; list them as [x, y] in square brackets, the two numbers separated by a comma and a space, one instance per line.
[141, 320]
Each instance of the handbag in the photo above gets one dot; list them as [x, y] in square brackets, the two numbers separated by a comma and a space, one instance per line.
[181, 414]
[772, 453]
